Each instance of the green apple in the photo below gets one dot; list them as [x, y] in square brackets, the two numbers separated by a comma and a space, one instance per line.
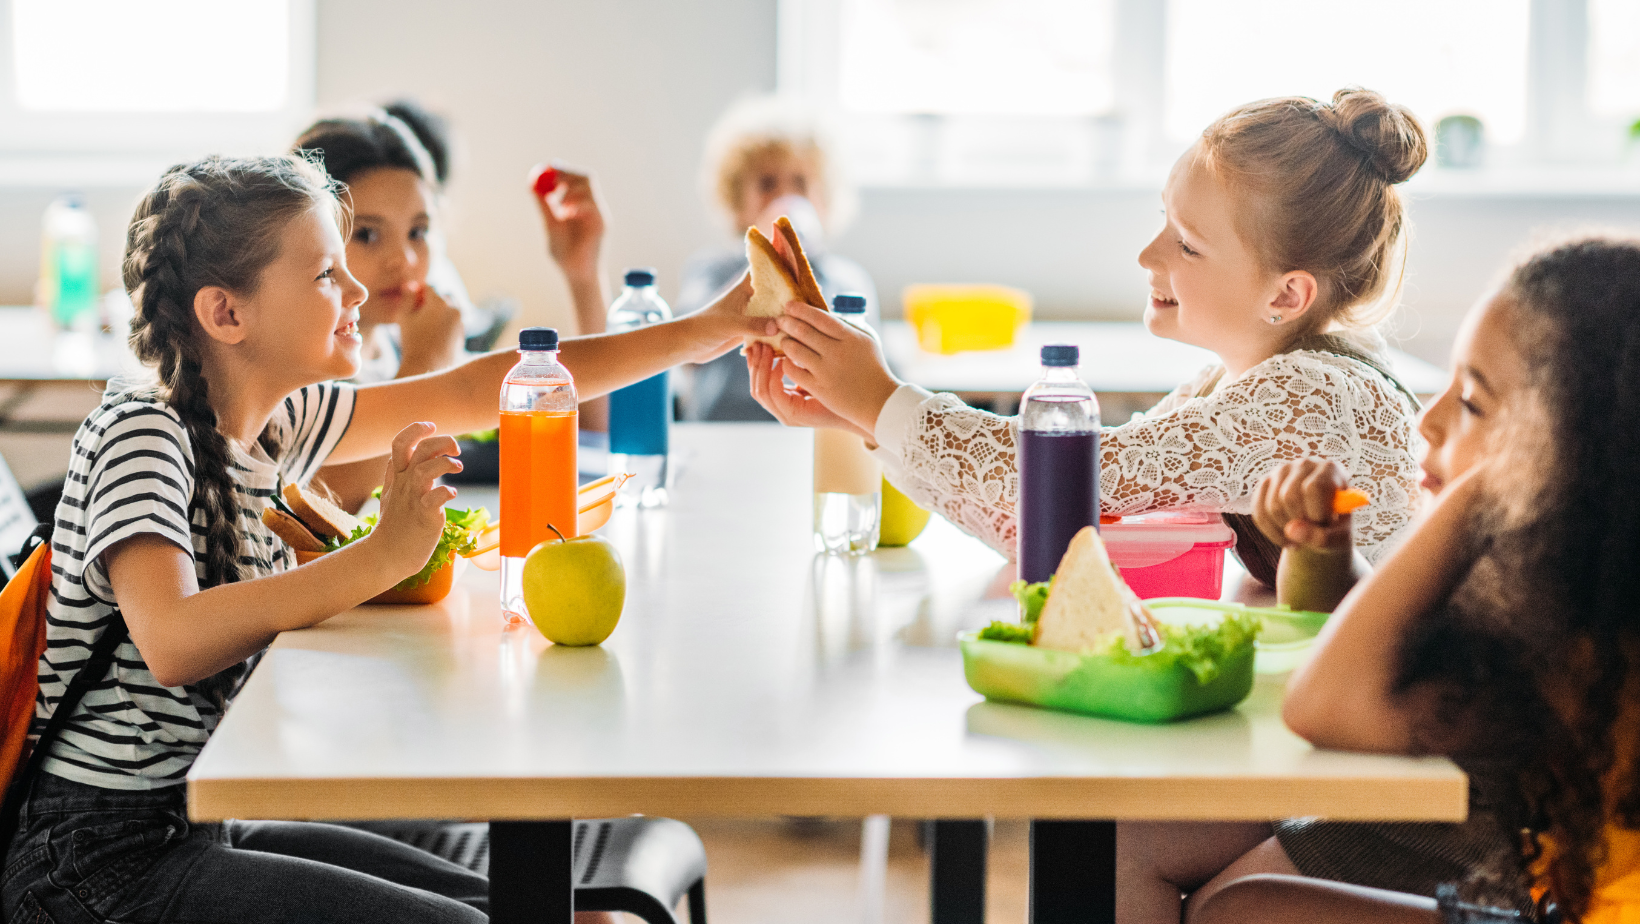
[574, 589]
[902, 520]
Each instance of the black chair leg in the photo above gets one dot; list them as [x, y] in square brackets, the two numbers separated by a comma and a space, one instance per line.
[697, 903]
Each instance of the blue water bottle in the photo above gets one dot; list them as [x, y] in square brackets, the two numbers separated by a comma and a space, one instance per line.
[640, 415]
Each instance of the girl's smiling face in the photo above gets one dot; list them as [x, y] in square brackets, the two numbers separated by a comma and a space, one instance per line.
[1489, 381]
[303, 316]
[392, 213]
[1207, 285]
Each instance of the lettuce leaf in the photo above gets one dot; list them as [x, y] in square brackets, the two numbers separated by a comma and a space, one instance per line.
[1202, 649]
[1007, 632]
[460, 536]
[1031, 597]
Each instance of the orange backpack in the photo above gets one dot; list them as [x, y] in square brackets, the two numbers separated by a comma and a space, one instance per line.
[23, 640]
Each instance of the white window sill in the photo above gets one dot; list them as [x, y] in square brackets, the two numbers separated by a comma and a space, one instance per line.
[1567, 182]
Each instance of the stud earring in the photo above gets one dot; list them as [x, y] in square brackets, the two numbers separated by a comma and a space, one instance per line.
[1275, 319]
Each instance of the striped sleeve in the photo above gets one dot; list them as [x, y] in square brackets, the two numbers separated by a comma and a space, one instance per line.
[315, 418]
[139, 482]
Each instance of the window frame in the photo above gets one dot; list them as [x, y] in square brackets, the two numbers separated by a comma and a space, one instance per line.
[1562, 138]
[57, 146]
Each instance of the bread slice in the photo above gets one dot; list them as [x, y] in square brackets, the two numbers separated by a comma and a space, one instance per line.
[780, 273]
[1088, 601]
[327, 520]
[291, 530]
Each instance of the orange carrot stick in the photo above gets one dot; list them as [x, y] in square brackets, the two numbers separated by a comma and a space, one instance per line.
[1349, 499]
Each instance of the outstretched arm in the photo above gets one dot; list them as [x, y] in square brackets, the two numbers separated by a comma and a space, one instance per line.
[466, 398]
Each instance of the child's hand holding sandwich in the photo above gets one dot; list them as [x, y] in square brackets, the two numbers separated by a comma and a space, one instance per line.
[841, 377]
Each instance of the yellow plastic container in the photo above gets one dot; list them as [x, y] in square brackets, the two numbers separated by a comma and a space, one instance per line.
[956, 318]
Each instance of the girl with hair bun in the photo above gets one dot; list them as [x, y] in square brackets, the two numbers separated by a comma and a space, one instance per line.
[1282, 248]
[248, 317]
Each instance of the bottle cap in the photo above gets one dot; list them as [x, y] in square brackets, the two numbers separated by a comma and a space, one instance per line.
[1061, 354]
[640, 277]
[849, 304]
[538, 338]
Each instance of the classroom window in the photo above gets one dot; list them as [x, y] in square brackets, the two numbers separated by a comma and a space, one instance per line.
[1614, 58]
[150, 55]
[110, 90]
[1109, 92]
[984, 57]
[1437, 57]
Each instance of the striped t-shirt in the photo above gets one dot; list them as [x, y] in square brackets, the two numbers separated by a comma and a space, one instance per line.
[131, 472]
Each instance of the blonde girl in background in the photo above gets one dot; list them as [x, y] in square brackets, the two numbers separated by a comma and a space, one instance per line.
[412, 322]
[1280, 251]
[766, 157]
[247, 315]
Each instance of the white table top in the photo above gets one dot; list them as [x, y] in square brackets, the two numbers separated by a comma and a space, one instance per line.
[747, 677]
[1116, 357]
[33, 351]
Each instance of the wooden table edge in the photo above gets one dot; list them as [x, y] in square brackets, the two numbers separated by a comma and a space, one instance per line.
[508, 798]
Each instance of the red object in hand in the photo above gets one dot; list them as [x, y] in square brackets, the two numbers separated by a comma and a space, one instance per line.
[544, 181]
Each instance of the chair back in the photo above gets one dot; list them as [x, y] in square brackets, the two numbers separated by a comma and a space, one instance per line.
[16, 521]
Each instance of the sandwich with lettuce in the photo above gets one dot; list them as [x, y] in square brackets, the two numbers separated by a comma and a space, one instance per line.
[1086, 608]
[314, 526]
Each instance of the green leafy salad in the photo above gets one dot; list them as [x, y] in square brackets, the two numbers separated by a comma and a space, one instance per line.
[480, 436]
[1200, 648]
[461, 529]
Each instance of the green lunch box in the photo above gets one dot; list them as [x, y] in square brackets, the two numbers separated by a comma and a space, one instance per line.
[1129, 689]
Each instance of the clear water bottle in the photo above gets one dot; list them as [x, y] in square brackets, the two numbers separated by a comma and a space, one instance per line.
[848, 482]
[539, 418]
[68, 263]
[1058, 463]
[640, 415]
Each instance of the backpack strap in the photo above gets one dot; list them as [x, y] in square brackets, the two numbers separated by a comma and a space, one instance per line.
[94, 670]
[40, 536]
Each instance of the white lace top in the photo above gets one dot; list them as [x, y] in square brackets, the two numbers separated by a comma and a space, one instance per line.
[1206, 452]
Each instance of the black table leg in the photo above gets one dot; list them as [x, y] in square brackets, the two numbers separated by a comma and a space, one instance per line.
[1073, 872]
[531, 868]
[956, 872]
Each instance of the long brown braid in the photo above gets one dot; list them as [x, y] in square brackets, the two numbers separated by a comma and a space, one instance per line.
[213, 222]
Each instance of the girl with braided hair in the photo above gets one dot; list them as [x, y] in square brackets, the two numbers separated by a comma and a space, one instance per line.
[1280, 250]
[247, 314]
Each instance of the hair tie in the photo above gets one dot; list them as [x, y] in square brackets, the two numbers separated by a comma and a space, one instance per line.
[1328, 115]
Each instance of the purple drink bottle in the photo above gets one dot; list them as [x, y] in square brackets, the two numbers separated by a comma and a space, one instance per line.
[1058, 463]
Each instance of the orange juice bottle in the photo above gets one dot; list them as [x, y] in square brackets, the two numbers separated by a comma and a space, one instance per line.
[538, 474]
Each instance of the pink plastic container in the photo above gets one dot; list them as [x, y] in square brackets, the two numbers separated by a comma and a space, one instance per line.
[1173, 553]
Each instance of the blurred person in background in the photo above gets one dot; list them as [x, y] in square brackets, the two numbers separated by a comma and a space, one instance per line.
[765, 157]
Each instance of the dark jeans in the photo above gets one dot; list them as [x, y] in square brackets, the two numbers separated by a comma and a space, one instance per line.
[87, 854]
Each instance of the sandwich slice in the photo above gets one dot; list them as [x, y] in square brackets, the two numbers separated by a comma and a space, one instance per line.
[780, 273]
[325, 519]
[1089, 602]
[290, 529]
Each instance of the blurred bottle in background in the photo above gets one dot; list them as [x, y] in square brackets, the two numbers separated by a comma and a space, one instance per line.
[848, 480]
[640, 415]
[68, 287]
